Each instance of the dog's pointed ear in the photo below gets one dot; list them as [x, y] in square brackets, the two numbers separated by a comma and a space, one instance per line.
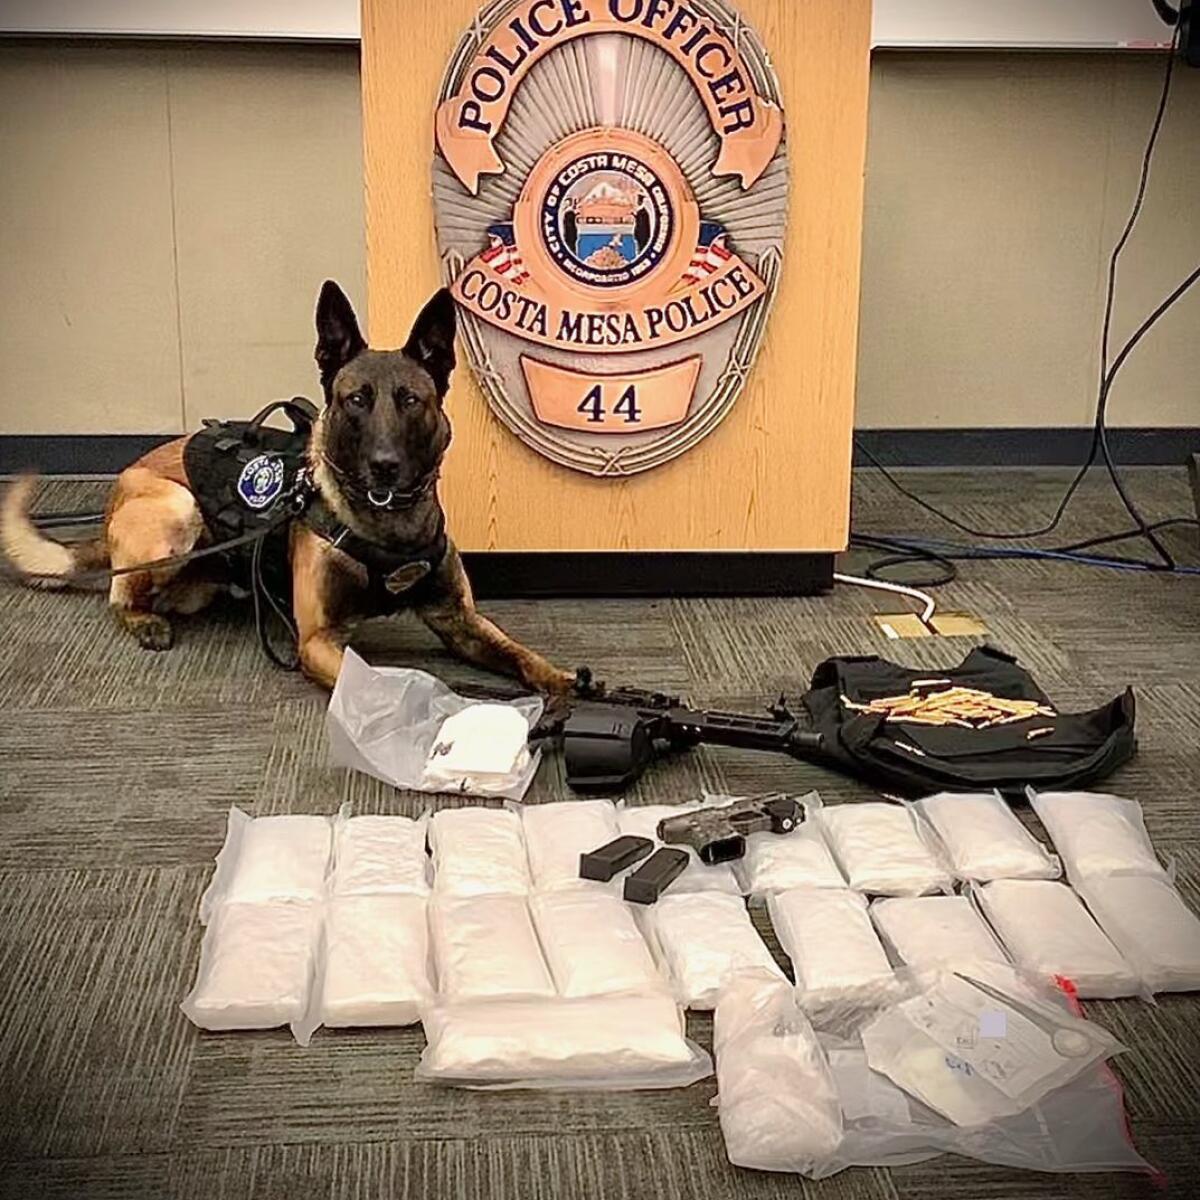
[431, 342]
[338, 337]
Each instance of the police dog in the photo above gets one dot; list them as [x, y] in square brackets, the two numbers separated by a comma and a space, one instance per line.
[383, 433]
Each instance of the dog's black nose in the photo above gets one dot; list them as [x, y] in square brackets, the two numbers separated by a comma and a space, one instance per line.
[385, 468]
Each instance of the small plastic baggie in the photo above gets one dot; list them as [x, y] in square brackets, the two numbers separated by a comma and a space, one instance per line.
[256, 966]
[376, 855]
[880, 851]
[617, 1043]
[478, 852]
[925, 932]
[556, 834]
[837, 958]
[776, 1098]
[1047, 931]
[984, 839]
[1149, 923]
[703, 938]
[1097, 834]
[641, 820]
[485, 947]
[592, 944]
[269, 858]
[407, 728]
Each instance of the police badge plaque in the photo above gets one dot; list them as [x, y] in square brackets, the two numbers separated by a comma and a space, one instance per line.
[610, 189]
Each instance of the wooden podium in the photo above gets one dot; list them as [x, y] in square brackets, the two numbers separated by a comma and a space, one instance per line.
[762, 502]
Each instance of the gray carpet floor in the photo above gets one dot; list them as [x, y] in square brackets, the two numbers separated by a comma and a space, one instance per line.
[117, 768]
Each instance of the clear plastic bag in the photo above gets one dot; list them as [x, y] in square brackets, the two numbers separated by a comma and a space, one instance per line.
[776, 1098]
[478, 852]
[925, 932]
[641, 820]
[269, 858]
[256, 966]
[778, 862]
[1048, 932]
[837, 958]
[376, 961]
[984, 839]
[703, 938]
[556, 834]
[386, 721]
[375, 855]
[592, 944]
[982, 1044]
[485, 947]
[1097, 834]
[880, 850]
[616, 1043]
[1079, 1126]
[1148, 922]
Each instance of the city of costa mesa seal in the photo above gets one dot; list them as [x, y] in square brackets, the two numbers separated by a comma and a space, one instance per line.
[610, 188]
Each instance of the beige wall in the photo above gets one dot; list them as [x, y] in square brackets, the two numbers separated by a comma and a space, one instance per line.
[167, 213]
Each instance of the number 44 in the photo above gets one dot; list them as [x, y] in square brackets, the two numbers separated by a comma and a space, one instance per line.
[627, 406]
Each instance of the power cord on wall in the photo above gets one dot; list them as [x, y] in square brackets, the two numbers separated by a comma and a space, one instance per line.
[913, 550]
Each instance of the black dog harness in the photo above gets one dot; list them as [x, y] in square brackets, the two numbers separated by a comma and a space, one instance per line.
[251, 481]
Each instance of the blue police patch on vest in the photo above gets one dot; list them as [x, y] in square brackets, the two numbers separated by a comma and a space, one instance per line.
[261, 481]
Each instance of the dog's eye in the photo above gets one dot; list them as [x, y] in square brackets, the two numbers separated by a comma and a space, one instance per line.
[357, 400]
[405, 399]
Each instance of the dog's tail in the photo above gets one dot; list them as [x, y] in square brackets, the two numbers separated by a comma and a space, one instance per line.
[42, 561]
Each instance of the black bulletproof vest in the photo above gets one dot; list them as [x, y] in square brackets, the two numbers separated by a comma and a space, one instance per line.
[920, 759]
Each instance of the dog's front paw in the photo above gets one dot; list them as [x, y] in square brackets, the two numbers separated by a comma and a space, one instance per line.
[154, 633]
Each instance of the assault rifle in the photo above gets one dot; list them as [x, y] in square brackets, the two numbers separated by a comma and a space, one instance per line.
[609, 737]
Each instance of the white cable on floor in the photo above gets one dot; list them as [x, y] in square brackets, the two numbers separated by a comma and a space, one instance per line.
[879, 585]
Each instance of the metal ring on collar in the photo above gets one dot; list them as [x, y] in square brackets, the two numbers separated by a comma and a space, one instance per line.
[379, 499]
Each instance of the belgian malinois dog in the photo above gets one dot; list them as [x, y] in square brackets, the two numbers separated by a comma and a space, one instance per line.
[373, 459]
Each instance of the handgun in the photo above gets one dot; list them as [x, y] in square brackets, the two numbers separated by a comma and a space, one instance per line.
[718, 832]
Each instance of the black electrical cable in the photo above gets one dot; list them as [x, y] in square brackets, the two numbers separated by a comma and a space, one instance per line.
[67, 520]
[1099, 442]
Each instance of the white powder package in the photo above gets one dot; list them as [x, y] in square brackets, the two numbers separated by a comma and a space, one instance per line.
[376, 961]
[377, 855]
[703, 938]
[256, 966]
[984, 839]
[1048, 932]
[779, 862]
[481, 749]
[606, 1042]
[776, 1097]
[592, 944]
[1097, 834]
[477, 852]
[642, 821]
[1149, 923]
[880, 851]
[556, 834]
[485, 947]
[839, 963]
[269, 858]
[926, 932]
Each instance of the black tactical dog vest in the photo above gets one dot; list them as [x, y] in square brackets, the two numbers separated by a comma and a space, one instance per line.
[919, 759]
[241, 473]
